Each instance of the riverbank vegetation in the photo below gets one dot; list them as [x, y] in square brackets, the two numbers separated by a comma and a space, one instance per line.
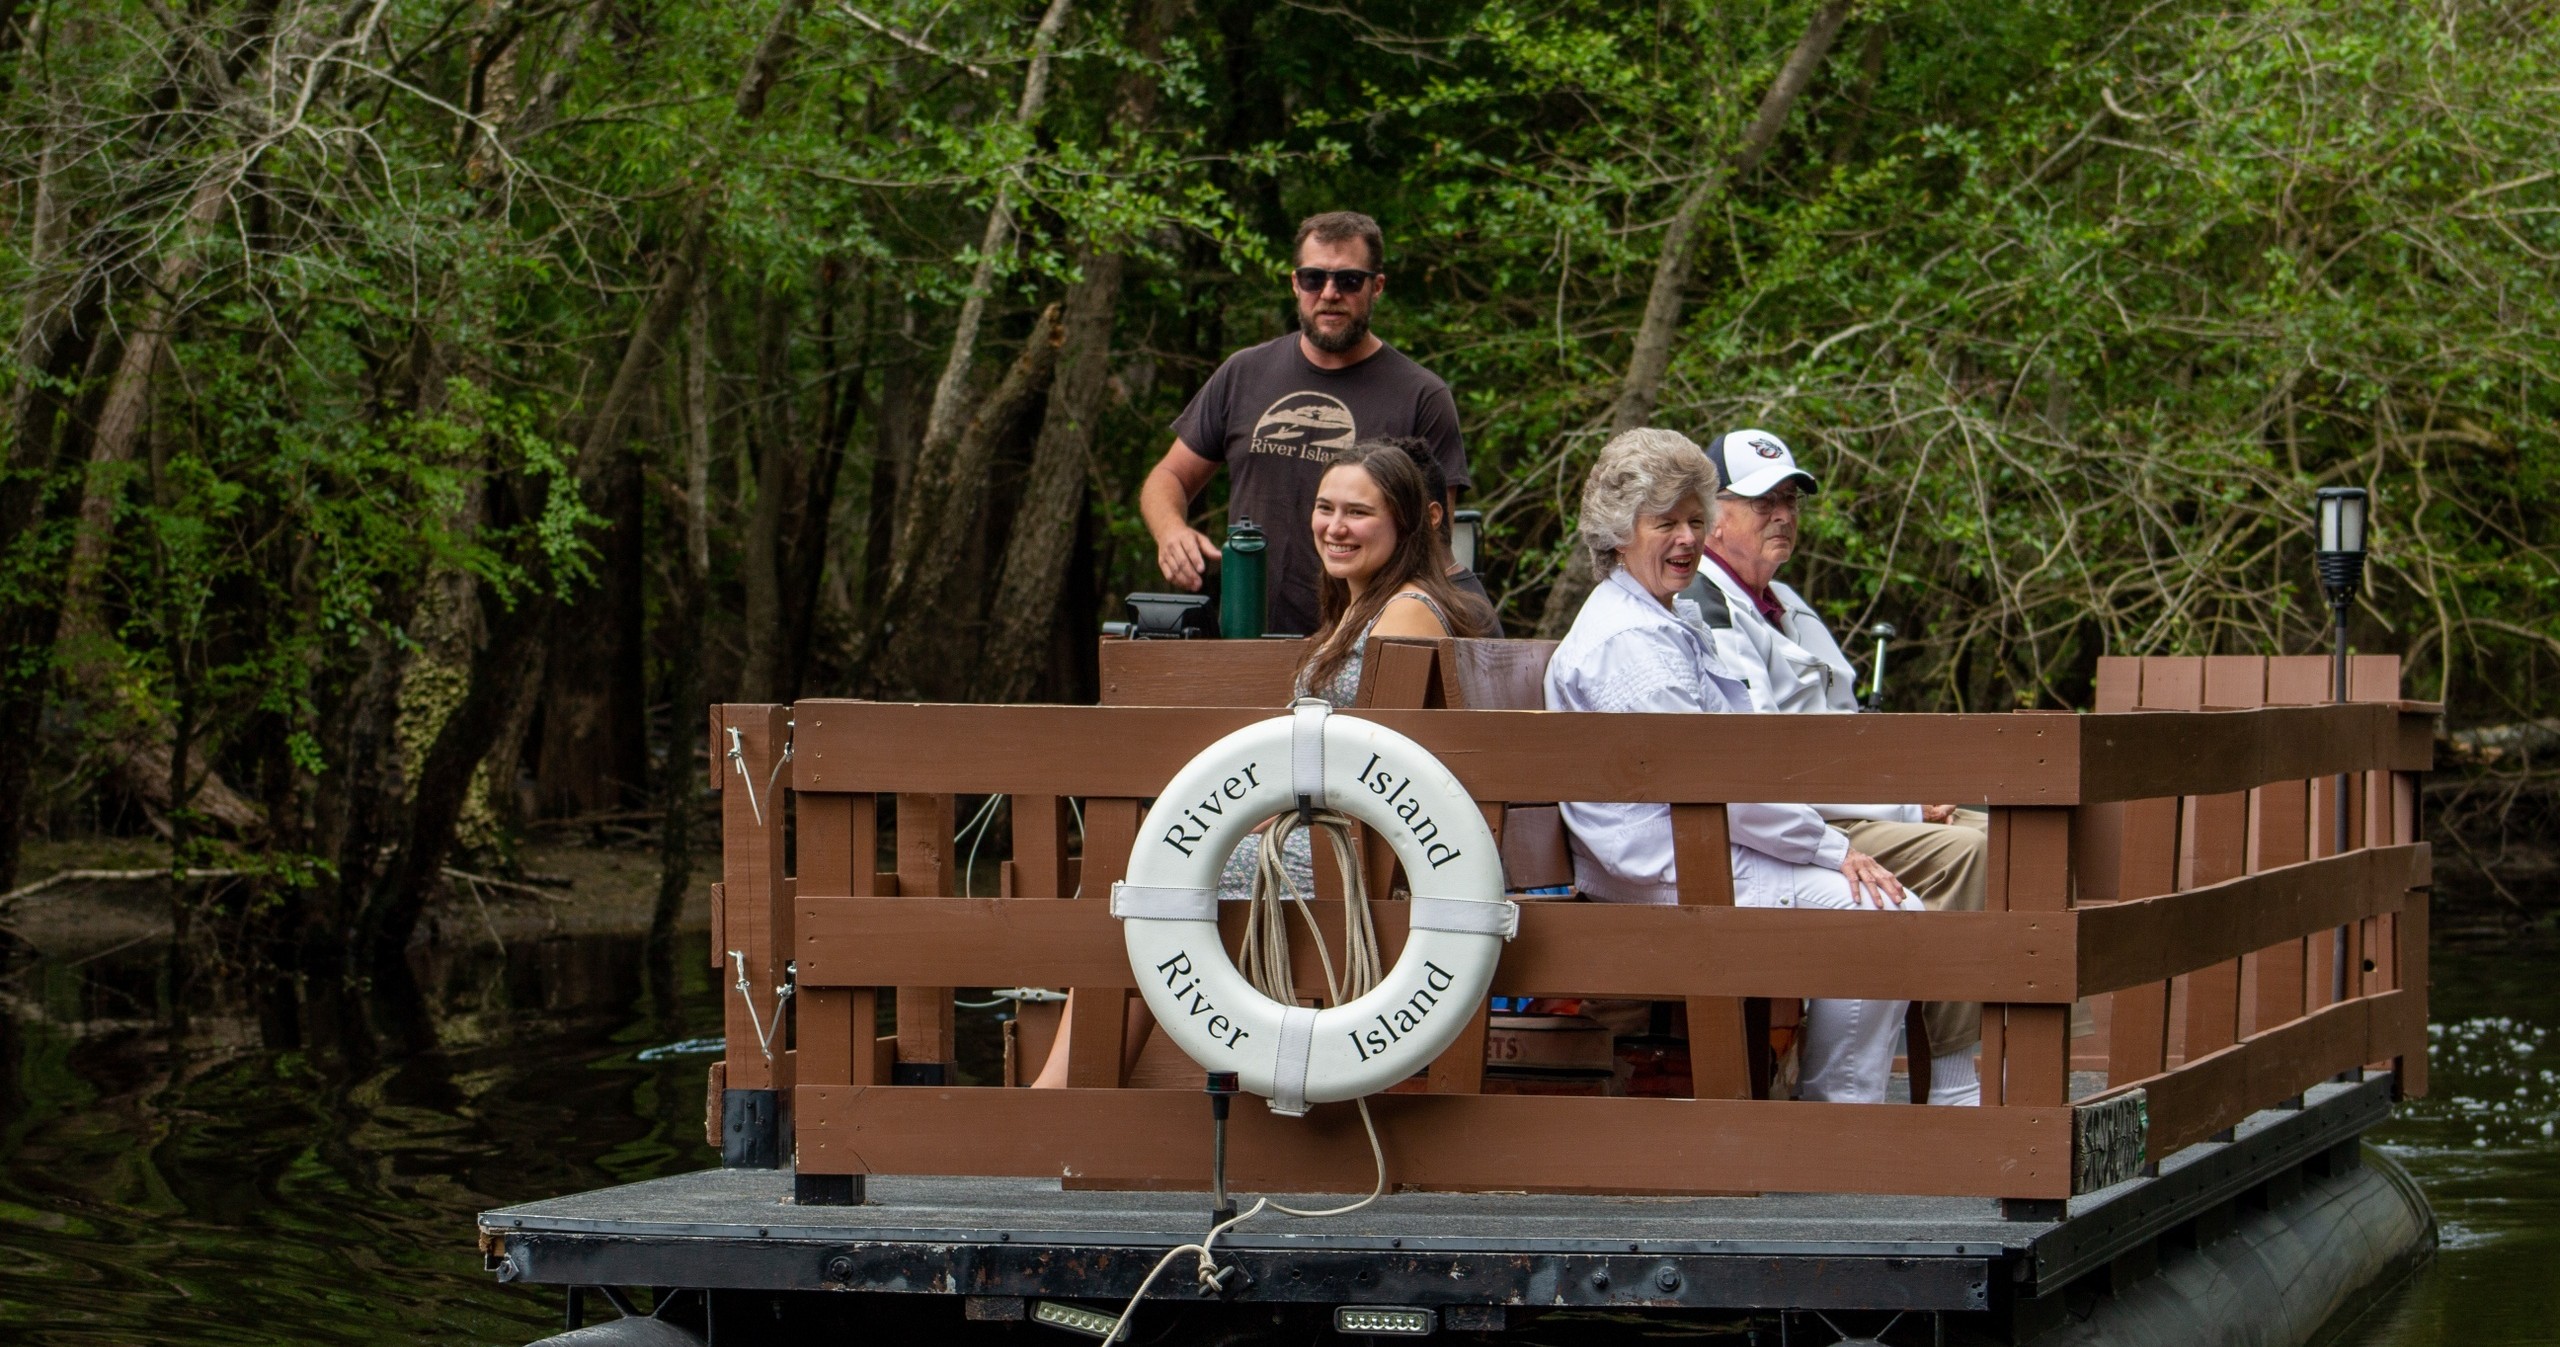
[419, 408]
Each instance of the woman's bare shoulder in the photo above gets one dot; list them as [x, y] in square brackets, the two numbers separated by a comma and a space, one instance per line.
[1409, 613]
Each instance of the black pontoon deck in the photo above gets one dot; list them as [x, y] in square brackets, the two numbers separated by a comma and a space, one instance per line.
[988, 1249]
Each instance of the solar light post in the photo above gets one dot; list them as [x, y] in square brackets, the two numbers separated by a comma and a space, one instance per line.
[2341, 561]
[1883, 632]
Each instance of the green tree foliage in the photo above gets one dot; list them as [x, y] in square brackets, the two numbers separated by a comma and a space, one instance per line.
[349, 345]
[2078, 304]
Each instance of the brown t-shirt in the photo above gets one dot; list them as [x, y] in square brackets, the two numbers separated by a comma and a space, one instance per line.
[1274, 418]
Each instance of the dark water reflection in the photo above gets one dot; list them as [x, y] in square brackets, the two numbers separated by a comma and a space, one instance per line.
[189, 1185]
[166, 1177]
[2482, 1145]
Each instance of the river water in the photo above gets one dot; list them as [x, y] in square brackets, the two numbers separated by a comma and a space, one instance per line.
[172, 1172]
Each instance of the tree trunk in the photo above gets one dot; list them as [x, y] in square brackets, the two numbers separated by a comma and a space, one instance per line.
[448, 627]
[924, 628]
[781, 467]
[1035, 556]
[355, 816]
[1044, 526]
[680, 780]
[894, 439]
[803, 580]
[936, 475]
[56, 329]
[1871, 49]
[137, 739]
[942, 423]
[1033, 577]
[1650, 359]
[43, 322]
[444, 780]
[592, 754]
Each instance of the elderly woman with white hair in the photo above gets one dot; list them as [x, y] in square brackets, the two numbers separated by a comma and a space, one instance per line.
[1639, 646]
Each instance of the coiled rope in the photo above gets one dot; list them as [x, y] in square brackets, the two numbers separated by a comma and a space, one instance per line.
[1264, 960]
[1264, 957]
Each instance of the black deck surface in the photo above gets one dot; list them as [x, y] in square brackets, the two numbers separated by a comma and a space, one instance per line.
[724, 1204]
[1012, 1236]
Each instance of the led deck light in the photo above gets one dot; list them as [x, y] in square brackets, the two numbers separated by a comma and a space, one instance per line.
[1402, 1321]
[1073, 1318]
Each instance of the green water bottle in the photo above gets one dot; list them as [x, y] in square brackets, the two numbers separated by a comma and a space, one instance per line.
[1240, 582]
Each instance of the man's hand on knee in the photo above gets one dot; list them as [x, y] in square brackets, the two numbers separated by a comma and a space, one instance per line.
[1869, 882]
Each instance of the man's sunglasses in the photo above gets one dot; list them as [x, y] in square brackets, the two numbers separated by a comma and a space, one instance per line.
[1348, 281]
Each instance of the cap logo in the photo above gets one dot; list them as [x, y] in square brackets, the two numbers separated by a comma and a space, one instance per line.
[1766, 448]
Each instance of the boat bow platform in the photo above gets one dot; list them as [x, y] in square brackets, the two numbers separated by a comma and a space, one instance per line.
[1004, 1241]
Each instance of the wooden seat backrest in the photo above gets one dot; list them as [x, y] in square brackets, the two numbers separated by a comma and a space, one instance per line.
[1488, 675]
[1198, 673]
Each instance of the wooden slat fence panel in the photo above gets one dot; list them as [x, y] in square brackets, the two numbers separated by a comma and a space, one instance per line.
[2149, 939]
[2078, 819]
[2375, 678]
[825, 1016]
[1596, 949]
[2208, 752]
[2215, 1091]
[755, 915]
[2282, 837]
[2150, 848]
[2027, 1060]
[2218, 850]
[1702, 857]
[1499, 755]
[927, 1028]
[1154, 1138]
[1983, 760]
[1098, 1015]
[2369, 889]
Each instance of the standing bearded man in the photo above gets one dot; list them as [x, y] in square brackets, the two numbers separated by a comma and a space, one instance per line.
[1768, 634]
[1275, 414]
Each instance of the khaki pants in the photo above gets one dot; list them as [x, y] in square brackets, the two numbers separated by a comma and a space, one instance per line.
[1945, 864]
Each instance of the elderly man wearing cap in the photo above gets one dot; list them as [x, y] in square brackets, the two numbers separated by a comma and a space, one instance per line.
[1767, 633]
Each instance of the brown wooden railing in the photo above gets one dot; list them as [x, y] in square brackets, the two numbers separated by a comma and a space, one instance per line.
[2170, 862]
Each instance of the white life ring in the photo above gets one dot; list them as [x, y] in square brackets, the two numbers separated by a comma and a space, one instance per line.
[1168, 908]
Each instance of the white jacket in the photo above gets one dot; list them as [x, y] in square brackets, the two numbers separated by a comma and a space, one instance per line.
[1627, 652]
[1792, 665]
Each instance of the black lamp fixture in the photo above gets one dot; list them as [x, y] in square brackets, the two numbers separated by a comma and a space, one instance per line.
[2341, 561]
[2341, 555]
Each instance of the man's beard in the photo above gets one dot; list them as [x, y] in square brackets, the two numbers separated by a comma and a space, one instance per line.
[1352, 335]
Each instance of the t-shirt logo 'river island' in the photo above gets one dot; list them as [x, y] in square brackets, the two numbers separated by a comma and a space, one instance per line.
[1306, 425]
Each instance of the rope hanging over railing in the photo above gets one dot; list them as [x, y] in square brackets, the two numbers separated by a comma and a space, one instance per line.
[737, 756]
[746, 993]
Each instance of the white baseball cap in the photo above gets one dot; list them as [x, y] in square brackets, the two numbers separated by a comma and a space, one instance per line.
[1754, 462]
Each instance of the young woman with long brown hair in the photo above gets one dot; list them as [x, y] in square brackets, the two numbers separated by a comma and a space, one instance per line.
[1386, 570]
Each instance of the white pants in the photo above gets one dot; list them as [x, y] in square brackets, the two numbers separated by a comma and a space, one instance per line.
[1846, 1053]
